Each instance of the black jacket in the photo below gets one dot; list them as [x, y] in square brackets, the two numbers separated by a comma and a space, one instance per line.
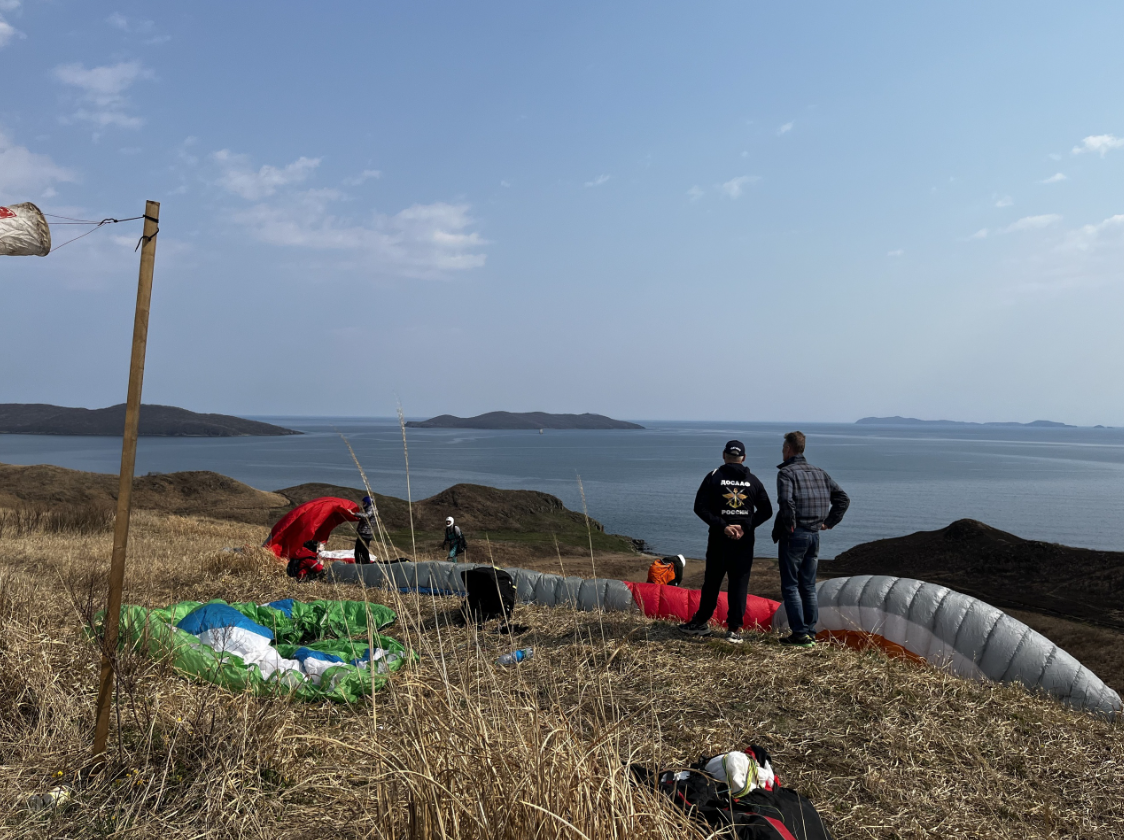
[732, 495]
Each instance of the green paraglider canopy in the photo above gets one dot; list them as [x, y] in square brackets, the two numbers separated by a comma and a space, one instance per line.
[308, 651]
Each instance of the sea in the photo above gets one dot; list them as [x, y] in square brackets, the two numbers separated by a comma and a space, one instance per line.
[1062, 485]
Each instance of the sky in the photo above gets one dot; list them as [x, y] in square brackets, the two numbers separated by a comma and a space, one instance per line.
[708, 211]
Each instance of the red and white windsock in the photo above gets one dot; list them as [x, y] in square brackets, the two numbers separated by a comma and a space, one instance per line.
[23, 231]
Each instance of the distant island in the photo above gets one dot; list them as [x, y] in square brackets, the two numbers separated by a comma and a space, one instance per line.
[155, 421]
[913, 421]
[528, 420]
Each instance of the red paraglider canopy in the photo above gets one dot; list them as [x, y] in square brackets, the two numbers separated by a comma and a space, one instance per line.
[657, 601]
[313, 520]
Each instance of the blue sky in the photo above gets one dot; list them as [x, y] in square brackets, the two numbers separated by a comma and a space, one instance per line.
[697, 211]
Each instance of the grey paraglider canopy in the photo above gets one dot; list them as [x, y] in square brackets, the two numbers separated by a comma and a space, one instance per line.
[24, 231]
[958, 632]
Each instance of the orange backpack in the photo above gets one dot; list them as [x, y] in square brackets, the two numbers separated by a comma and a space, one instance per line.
[661, 573]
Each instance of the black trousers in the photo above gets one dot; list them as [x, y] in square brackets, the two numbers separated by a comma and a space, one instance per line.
[362, 554]
[726, 558]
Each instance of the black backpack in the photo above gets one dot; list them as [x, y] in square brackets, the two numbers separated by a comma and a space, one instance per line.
[779, 814]
[491, 594]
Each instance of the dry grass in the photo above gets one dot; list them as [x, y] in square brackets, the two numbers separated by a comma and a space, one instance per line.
[459, 748]
[56, 519]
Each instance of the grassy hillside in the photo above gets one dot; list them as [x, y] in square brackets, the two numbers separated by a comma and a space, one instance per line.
[460, 748]
[535, 520]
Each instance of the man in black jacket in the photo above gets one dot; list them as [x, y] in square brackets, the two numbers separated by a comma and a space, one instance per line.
[732, 501]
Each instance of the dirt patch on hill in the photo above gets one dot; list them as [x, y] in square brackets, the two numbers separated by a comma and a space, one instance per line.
[1000, 568]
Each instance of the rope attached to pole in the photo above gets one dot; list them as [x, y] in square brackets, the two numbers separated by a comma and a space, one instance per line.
[96, 225]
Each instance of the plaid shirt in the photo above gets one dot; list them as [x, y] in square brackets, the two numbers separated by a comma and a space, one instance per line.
[807, 497]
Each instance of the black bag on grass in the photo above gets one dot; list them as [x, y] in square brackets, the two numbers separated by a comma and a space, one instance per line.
[778, 814]
[491, 594]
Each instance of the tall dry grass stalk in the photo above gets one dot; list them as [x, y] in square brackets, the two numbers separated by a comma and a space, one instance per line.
[409, 493]
[457, 747]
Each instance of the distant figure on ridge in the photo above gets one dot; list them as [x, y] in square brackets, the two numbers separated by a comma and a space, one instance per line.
[454, 539]
[732, 501]
[808, 501]
[364, 528]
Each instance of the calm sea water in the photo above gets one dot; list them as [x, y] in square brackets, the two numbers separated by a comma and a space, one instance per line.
[1059, 485]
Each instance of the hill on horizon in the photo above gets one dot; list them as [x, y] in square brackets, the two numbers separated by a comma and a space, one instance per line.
[155, 421]
[524, 420]
[897, 420]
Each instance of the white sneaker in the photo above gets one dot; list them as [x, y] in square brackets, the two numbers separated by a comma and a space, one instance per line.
[734, 638]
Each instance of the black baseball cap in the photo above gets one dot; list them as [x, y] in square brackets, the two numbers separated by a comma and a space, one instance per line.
[735, 448]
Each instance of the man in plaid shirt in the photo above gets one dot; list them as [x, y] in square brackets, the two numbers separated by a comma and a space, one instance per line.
[808, 501]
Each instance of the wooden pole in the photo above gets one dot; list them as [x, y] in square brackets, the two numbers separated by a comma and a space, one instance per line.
[125, 488]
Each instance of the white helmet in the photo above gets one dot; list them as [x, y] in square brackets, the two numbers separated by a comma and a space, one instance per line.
[448, 521]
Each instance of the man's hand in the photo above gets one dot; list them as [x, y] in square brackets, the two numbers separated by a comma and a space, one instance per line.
[734, 532]
[824, 527]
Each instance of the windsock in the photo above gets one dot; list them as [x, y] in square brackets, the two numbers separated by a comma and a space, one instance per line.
[23, 231]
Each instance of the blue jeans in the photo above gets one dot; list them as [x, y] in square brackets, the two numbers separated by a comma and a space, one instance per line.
[799, 559]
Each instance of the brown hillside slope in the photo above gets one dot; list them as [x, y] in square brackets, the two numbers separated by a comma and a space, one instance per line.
[526, 516]
[475, 507]
[1000, 568]
[199, 493]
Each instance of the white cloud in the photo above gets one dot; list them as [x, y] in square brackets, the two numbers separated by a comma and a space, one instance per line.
[7, 31]
[598, 181]
[1054, 156]
[1100, 143]
[695, 193]
[103, 91]
[735, 186]
[133, 26]
[1088, 236]
[785, 129]
[24, 174]
[365, 175]
[505, 184]
[1005, 201]
[424, 240]
[1032, 223]
[896, 253]
[1057, 177]
[238, 177]
[9, 5]
[979, 234]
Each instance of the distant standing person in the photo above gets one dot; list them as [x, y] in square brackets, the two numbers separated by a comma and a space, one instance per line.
[808, 501]
[364, 529]
[732, 501]
[454, 539]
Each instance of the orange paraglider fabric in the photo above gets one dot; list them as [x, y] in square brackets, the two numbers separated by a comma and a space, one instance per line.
[868, 641]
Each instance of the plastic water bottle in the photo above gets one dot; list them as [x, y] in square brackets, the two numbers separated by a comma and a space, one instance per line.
[516, 656]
